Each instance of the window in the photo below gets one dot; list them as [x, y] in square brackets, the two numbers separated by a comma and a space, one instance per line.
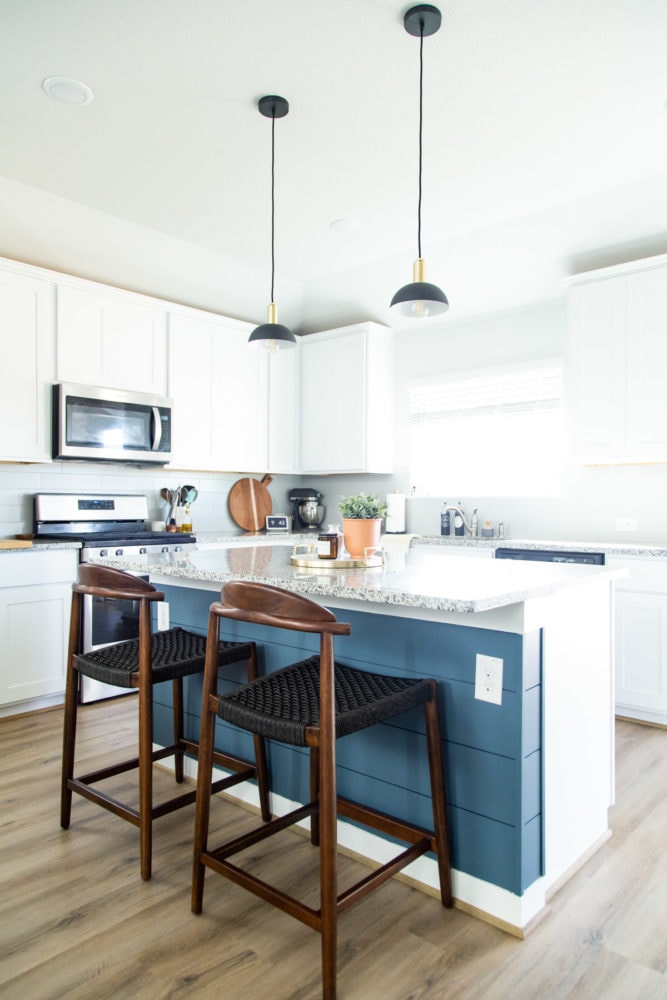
[494, 432]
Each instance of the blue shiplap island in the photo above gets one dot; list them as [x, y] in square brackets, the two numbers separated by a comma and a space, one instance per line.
[529, 780]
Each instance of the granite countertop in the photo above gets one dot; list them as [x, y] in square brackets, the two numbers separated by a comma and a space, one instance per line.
[37, 546]
[237, 538]
[645, 550]
[420, 577]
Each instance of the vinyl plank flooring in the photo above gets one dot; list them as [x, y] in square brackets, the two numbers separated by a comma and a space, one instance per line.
[76, 920]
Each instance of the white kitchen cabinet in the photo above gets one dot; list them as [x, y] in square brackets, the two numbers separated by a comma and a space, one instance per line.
[28, 368]
[641, 639]
[347, 400]
[616, 362]
[219, 388]
[111, 338]
[35, 597]
[283, 416]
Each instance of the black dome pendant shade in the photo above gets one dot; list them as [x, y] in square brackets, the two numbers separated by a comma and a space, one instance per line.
[272, 336]
[420, 298]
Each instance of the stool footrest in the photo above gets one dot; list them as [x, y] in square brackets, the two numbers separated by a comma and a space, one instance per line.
[262, 832]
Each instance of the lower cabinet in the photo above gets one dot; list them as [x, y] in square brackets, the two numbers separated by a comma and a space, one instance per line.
[641, 639]
[35, 597]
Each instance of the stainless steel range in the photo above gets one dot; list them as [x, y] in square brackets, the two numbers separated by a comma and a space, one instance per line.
[106, 525]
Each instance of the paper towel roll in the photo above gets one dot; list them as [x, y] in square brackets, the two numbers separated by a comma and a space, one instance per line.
[395, 523]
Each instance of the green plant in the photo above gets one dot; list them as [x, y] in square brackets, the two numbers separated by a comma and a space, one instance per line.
[362, 505]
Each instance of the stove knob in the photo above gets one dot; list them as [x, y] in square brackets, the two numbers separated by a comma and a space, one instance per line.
[178, 548]
[119, 552]
[104, 553]
[143, 550]
[165, 548]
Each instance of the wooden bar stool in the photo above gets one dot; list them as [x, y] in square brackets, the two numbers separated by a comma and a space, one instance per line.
[141, 663]
[311, 704]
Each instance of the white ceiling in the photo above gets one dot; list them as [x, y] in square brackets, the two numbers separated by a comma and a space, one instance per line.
[545, 137]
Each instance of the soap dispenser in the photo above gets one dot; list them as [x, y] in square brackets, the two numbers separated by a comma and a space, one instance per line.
[459, 524]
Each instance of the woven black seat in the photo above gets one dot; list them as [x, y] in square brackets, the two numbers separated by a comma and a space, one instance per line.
[310, 704]
[175, 652]
[141, 663]
[283, 705]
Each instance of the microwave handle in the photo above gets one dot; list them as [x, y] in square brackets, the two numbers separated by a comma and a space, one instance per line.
[157, 428]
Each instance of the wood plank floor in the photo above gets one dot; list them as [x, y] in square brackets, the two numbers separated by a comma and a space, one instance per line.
[76, 920]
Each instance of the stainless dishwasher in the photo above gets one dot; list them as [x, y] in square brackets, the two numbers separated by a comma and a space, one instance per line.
[552, 555]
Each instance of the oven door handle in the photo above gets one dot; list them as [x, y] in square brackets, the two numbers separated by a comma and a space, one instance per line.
[157, 429]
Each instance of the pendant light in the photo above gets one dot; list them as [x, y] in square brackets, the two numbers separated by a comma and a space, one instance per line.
[420, 298]
[272, 335]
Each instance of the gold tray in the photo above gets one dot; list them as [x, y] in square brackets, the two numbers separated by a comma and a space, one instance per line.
[310, 560]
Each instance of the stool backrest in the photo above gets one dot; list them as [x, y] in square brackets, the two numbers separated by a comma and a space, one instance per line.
[263, 604]
[104, 581]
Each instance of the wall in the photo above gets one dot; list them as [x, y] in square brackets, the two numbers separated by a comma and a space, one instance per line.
[209, 512]
[592, 498]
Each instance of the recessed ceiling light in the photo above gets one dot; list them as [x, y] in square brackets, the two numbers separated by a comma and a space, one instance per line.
[63, 88]
[345, 225]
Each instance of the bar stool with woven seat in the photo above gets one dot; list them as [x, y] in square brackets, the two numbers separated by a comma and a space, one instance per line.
[310, 704]
[152, 658]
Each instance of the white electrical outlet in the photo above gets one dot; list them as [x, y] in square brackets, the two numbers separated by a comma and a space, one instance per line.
[489, 678]
[163, 616]
[626, 523]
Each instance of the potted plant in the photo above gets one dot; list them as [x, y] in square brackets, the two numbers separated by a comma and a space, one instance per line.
[362, 516]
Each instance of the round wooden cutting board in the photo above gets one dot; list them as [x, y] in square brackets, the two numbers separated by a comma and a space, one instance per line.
[250, 503]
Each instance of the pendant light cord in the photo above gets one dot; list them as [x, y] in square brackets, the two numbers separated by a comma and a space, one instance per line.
[273, 200]
[421, 98]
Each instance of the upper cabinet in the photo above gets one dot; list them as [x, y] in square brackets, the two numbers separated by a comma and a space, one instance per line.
[346, 400]
[219, 388]
[616, 362]
[283, 422]
[111, 338]
[27, 324]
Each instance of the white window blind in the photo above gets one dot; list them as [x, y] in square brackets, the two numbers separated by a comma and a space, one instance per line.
[496, 432]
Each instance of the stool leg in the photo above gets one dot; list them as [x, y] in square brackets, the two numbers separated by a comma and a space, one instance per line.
[260, 748]
[437, 776]
[69, 721]
[145, 778]
[315, 794]
[69, 743]
[327, 821]
[204, 765]
[177, 698]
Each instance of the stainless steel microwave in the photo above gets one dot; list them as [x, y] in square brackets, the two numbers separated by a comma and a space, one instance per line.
[109, 425]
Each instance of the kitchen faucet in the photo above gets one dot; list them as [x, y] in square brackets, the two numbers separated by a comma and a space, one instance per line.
[469, 526]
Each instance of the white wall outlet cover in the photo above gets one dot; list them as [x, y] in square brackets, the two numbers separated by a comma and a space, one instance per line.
[163, 616]
[489, 678]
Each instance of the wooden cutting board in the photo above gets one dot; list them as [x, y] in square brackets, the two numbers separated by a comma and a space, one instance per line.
[15, 543]
[250, 503]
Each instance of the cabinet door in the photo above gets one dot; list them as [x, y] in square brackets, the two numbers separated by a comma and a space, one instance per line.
[218, 385]
[646, 365]
[596, 371]
[28, 368]
[333, 404]
[282, 416]
[35, 625]
[110, 340]
[641, 655]
[191, 381]
[35, 598]
[240, 401]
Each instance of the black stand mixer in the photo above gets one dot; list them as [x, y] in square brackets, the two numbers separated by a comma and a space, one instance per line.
[308, 511]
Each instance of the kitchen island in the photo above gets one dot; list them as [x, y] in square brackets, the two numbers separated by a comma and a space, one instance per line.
[529, 779]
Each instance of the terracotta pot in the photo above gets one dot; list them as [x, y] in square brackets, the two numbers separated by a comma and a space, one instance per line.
[361, 535]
